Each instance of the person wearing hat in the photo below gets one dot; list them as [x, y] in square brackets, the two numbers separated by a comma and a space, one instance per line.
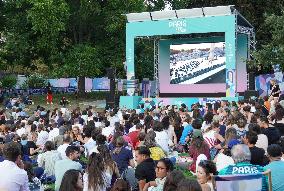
[197, 147]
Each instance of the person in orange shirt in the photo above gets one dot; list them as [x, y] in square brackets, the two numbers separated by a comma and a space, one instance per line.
[266, 103]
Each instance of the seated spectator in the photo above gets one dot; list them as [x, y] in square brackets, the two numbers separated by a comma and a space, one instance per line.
[156, 152]
[48, 159]
[96, 176]
[205, 170]
[242, 156]
[145, 170]
[270, 131]
[161, 138]
[31, 145]
[34, 182]
[276, 166]
[121, 185]
[188, 185]
[62, 148]
[257, 154]
[122, 155]
[13, 176]
[172, 180]
[197, 147]
[163, 168]
[72, 181]
[72, 153]
[262, 141]
[187, 128]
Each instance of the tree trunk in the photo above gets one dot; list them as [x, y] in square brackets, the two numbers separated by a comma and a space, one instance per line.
[81, 86]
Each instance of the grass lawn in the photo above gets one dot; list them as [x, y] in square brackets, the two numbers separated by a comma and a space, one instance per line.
[82, 102]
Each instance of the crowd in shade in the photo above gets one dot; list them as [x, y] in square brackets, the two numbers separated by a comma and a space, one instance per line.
[82, 149]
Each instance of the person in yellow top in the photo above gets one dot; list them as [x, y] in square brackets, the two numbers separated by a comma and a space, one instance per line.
[156, 152]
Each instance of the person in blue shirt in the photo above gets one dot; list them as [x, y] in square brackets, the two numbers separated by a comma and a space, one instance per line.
[186, 130]
[276, 166]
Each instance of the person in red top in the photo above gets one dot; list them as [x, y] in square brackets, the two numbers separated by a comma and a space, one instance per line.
[197, 146]
[134, 135]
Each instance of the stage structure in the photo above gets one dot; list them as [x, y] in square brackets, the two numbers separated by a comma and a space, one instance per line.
[200, 54]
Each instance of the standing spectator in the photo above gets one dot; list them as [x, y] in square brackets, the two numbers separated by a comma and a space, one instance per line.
[276, 166]
[145, 170]
[13, 177]
[49, 96]
[73, 153]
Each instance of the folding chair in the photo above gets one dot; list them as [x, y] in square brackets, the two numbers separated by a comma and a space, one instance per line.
[236, 182]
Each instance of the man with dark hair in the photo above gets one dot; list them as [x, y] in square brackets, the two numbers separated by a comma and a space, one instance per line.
[134, 134]
[49, 158]
[72, 153]
[145, 170]
[196, 124]
[276, 166]
[257, 154]
[13, 177]
[269, 130]
[90, 143]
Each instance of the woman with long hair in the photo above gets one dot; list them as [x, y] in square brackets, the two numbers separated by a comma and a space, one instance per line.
[172, 180]
[170, 130]
[95, 177]
[72, 181]
[157, 152]
[197, 147]
[122, 155]
[110, 165]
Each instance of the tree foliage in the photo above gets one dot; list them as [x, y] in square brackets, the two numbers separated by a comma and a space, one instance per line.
[83, 37]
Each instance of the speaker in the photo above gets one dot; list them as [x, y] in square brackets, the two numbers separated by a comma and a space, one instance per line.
[251, 79]
[250, 93]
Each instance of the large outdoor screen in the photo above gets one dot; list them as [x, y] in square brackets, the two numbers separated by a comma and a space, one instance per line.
[199, 63]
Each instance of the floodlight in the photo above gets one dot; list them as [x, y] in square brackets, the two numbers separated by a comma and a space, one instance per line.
[217, 11]
[163, 15]
[189, 13]
[136, 17]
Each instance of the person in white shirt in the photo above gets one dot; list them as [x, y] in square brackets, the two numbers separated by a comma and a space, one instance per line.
[13, 177]
[42, 136]
[90, 143]
[62, 148]
[53, 133]
[21, 130]
[162, 137]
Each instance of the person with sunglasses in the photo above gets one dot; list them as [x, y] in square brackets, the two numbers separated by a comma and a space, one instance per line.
[163, 168]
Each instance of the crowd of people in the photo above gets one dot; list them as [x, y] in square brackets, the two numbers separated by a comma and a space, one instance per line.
[82, 149]
[186, 72]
